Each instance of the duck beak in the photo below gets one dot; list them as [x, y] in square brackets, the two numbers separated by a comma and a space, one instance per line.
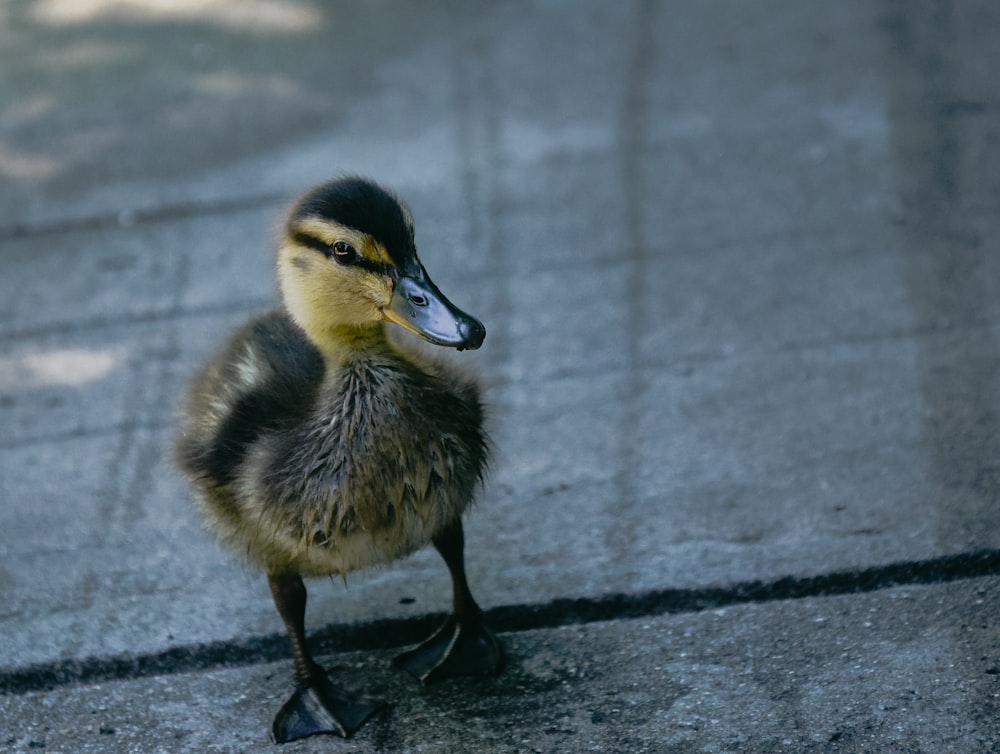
[418, 306]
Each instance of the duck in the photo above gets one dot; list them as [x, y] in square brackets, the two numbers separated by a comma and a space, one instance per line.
[318, 444]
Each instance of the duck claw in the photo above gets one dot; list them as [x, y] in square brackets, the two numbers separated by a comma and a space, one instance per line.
[319, 706]
[457, 648]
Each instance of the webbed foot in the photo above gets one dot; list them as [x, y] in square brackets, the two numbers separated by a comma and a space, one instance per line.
[458, 648]
[319, 706]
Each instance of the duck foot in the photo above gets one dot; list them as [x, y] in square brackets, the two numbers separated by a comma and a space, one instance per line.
[319, 706]
[458, 648]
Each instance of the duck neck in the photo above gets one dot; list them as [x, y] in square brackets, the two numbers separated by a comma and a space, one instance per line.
[343, 342]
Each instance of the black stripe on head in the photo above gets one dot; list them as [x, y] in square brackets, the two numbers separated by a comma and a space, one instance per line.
[318, 244]
[366, 207]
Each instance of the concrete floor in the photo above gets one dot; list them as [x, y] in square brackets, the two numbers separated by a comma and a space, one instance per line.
[738, 265]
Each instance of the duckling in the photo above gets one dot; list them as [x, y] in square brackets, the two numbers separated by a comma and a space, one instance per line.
[319, 446]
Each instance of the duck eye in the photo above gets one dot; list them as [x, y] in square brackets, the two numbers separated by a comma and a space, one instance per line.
[343, 252]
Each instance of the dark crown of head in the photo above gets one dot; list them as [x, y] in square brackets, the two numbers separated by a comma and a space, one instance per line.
[366, 207]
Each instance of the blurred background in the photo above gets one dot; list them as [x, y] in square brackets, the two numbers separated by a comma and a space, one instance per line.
[737, 264]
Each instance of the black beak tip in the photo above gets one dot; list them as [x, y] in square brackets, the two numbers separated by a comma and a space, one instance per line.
[473, 334]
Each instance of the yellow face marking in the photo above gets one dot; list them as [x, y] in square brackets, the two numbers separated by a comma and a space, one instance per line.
[325, 298]
[378, 253]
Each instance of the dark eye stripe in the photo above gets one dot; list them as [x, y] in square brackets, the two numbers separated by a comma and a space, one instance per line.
[304, 239]
[376, 268]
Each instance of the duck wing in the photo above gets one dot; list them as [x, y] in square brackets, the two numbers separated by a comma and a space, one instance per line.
[264, 379]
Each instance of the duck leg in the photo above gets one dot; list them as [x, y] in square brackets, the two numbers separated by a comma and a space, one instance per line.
[463, 645]
[317, 705]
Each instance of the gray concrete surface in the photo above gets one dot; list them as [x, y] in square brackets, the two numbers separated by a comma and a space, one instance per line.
[886, 672]
[738, 264]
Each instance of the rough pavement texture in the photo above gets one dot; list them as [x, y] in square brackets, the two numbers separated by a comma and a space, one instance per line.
[738, 265]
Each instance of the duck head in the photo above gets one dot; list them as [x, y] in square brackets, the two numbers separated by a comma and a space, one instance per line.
[348, 260]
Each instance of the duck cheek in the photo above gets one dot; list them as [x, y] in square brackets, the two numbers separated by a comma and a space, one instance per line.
[379, 294]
